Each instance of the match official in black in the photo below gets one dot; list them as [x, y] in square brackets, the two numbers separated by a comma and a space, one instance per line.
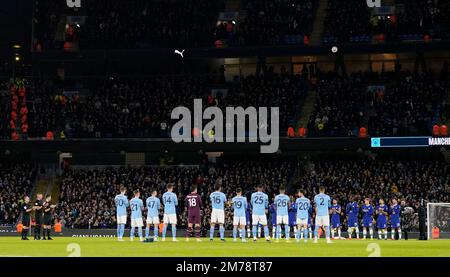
[26, 217]
[48, 216]
[422, 211]
[38, 209]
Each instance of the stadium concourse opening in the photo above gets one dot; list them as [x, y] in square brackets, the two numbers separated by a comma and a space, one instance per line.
[357, 98]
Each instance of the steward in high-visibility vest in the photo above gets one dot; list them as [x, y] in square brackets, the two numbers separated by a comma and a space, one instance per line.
[19, 228]
[58, 227]
[435, 233]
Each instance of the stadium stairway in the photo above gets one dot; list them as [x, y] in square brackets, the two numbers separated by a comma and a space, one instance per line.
[306, 110]
[319, 20]
[303, 166]
[47, 182]
[233, 5]
[60, 32]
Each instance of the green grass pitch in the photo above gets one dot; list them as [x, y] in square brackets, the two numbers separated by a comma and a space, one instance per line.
[109, 247]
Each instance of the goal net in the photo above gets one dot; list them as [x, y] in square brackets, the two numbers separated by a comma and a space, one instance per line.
[438, 215]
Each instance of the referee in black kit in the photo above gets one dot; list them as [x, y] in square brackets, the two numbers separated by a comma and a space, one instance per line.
[48, 216]
[26, 218]
[38, 209]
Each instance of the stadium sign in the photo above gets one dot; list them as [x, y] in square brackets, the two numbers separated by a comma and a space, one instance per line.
[410, 142]
[438, 141]
[235, 118]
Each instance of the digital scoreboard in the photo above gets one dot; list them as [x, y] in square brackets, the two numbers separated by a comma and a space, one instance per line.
[411, 142]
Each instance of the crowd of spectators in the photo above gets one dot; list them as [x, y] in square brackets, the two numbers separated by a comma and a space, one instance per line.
[47, 14]
[121, 24]
[388, 104]
[42, 112]
[283, 91]
[116, 24]
[353, 21]
[16, 181]
[272, 22]
[142, 107]
[441, 219]
[385, 104]
[339, 107]
[346, 19]
[424, 17]
[137, 23]
[409, 106]
[86, 199]
[5, 107]
[177, 23]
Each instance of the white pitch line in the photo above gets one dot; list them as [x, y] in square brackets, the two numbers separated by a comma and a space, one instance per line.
[12, 255]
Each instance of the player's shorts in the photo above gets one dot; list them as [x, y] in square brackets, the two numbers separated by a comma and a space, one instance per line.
[137, 222]
[47, 220]
[259, 219]
[367, 223]
[239, 220]
[121, 219]
[38, 219]
[292, 221]
[302, 221]
[194, 218]
[322, 220]
[273, 219]
[282, 219]
[352, 222]
[335, 223]
[26, 221]
[170, 219]
[217, 216]
[153, 220]
[395, 223]
[249, 222]
[381, 224]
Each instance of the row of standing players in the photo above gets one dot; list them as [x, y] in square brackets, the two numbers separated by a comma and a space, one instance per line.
[43, 214]
[280, 210]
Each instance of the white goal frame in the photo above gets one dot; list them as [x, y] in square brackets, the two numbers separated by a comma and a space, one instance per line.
[429, 227]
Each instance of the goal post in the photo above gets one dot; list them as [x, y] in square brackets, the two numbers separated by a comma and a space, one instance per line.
[438, 215]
